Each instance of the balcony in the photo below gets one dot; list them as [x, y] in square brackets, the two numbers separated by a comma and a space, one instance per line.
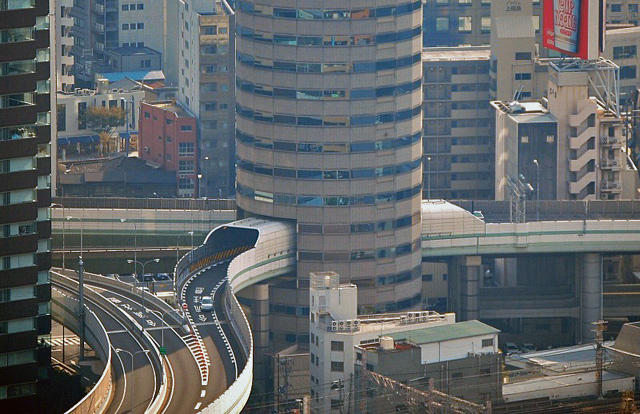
[611, 164]
[98, 8]
[582, 138]
[612, 142]
[98, 28]
[611, 187]
[579, 163]
[575, 187]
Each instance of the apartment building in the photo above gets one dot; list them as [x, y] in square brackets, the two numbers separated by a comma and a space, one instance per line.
[206, 88]
[75, 139]
[168, 138]
[458, 150]
[622, 46]
[100, 25]
[25, 196]
[64, 42]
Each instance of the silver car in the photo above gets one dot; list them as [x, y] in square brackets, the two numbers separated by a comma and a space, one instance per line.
[206, 304]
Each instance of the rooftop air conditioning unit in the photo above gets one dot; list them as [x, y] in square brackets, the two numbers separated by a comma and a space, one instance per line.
[604, 184]
[356, 323]
[341, 324]
[334, 326]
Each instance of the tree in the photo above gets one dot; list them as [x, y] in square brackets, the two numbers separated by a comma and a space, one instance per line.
[104, 121]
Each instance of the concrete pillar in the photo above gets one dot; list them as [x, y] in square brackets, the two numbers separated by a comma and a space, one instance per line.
[591, 310]
[260, 328]
[470, 288]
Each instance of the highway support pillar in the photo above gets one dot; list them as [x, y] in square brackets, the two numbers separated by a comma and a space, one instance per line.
[470, 288]
[260, 328]
[591, 309]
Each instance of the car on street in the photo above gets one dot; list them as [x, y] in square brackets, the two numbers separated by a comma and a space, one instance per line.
[206, 304]
[528, 348]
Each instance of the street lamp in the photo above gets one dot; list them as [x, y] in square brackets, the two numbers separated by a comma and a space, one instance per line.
[200, 183]
[80, 285]
[178, 256]
[135, 243]
[537, 189]
[429, 178]
[144, 312]
[163, 322]
[133, 375]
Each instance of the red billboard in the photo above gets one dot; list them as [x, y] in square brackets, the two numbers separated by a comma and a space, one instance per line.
[573, 27]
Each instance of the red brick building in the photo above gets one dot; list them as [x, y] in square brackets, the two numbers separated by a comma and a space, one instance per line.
[168, 136]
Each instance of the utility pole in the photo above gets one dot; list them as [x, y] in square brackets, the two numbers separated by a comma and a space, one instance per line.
[601, 326]
[338, 385]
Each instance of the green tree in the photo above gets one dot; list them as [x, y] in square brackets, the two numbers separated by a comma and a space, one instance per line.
[104, 121]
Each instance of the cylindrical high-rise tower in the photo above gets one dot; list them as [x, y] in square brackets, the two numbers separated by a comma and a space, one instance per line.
[330, 134]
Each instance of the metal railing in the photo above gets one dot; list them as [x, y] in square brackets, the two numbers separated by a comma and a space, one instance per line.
[147, 203]
[498, 211]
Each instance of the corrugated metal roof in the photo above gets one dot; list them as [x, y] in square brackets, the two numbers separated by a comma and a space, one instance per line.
[445, 332]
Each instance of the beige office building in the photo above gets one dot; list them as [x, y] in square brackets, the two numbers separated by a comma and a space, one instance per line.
[205, 87]
[329, 118]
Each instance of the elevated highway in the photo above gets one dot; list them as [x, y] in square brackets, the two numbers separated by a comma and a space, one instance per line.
[240, 254]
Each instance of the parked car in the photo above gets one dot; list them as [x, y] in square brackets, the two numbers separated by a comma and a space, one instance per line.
[528, 348]
[206, 304]
[162, 276]
[510, 348]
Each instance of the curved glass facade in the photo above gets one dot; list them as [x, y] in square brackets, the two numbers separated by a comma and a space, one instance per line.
[329, 134]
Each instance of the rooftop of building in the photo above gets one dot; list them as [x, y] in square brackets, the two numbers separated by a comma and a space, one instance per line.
[442, 54]
[431, 334]
[131, 170]
[173, 106]
[133, 51]
[220, 7]
[549, 383]
[140, 75]
[524, 111]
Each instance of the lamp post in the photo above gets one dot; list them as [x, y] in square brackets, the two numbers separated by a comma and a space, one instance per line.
[163, 322]
[133, 375]
[178, 254]
[80, 285]
[135, 244]
[144, 313]
[63, 230]
[428, 178]
[537, 189]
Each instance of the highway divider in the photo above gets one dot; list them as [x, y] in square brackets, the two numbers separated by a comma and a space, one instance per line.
[65, 310]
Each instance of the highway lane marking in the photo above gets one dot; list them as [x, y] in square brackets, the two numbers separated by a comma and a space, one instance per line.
[197, 406]
[203, 393]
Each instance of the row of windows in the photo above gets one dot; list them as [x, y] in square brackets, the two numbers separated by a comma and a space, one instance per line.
[328, 40]
[132, 7]
[369, 254]
[365, 227]
[335, 201]
[356, 120]
[314, 67]
[304, 174]
[132, 26]
[329, 148]
[317, 14]
[316, 94]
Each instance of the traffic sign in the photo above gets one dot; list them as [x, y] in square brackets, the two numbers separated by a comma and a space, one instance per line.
[163, 350]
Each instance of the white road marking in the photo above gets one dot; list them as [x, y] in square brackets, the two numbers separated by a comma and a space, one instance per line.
[197, 406]
[203, 393]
